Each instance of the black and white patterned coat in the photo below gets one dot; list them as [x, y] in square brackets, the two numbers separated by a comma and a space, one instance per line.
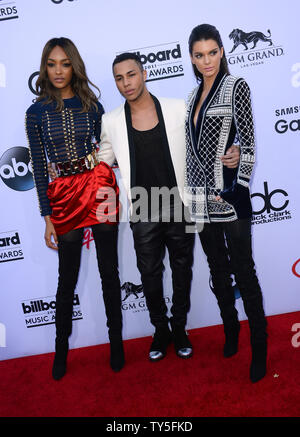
[225, 115]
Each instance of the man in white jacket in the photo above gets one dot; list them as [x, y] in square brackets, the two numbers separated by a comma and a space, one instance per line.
[146, 136]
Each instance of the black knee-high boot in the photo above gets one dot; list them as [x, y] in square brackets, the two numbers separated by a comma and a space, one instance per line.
[238, 236]
[258, 336]
[69, 261]
[106, 242]
[221, 286]
[229, 315]
[215, 247]
[253, 305]
[112, 303]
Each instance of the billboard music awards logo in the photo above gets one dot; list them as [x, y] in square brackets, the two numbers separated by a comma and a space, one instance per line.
[10, 246]
[163, 61]
[252, 48]
[271, 207]
[8, 10]
[286, 119]
[15, 169]
[41, 311]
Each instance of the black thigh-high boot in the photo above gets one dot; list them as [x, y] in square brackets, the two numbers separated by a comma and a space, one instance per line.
[69, 253]
[213, 243]
[149, 244]
[106, 242]
[238, 236]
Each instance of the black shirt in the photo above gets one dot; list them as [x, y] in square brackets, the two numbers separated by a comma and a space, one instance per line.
[152, 175]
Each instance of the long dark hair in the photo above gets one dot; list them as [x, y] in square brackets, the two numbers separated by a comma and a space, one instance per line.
[205, 32]
[80, 82]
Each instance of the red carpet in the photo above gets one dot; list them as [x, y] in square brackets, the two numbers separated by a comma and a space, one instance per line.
[207, 385]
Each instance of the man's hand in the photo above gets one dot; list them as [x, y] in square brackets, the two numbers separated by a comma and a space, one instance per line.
[232, 157]
[231, 160]
[52, 172]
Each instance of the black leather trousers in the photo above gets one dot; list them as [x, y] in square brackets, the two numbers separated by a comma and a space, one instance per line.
[69, 254]
[229, 252]
[150, 241]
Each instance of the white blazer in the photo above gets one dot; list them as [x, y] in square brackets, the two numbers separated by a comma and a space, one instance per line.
[114, 142]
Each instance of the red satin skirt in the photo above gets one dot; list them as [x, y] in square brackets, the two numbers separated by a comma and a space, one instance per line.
[84, 199]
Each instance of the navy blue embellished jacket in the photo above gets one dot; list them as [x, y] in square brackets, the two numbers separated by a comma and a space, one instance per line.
[225, 113]
[59, 137]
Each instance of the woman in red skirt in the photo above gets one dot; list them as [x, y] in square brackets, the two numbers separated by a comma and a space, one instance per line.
[63, 126]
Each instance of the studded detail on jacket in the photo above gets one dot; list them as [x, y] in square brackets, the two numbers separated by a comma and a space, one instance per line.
[59, 137]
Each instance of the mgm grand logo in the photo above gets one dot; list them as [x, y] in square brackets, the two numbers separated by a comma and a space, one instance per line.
[134, 299]
[252, 48]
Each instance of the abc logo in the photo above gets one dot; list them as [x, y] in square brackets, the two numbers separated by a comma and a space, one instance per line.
[30, 82]
[15, 169]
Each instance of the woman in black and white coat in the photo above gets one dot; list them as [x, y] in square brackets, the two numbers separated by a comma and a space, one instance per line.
[219, 114]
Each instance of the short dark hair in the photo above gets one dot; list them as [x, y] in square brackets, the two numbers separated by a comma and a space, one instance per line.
[205, 32]
[125, 56]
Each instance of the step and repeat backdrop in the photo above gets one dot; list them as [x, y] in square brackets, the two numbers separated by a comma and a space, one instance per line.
[261, 41]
